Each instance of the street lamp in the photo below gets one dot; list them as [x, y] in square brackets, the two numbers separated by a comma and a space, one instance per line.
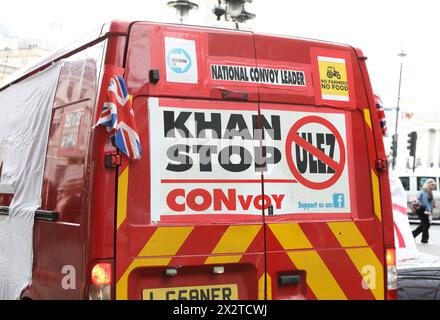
[235, 7]
[182, 7]
[219, 11]
[402, 55]
[233, 10]
[244, 16]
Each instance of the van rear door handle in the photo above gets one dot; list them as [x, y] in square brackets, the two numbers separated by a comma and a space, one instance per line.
[289, 279]
[42, 215]
[234, 95]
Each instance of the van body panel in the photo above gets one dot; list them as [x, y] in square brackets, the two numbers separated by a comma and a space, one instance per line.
[148, 243]
[147, 50]
[298, 210]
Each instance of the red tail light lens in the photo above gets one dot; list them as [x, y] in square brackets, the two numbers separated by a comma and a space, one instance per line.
[102, 274]
[391, 257]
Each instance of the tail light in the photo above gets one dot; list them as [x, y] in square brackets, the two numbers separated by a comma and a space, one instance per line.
[101, 281]
[391, 274]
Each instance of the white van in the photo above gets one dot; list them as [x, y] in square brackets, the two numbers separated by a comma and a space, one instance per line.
[413, 182]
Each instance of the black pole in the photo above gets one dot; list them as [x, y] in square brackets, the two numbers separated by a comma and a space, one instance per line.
[414, 158]
[395, 151]
[414, 164]
[398, 97]
[402, 54]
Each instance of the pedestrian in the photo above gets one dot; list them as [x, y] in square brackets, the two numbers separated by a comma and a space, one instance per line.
[425, 198]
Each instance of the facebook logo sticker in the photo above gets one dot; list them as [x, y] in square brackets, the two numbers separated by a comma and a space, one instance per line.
[338, 200]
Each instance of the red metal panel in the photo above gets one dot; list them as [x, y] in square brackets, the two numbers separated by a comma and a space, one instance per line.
[212, 46]
[74, 180]
[322, 242]
[137, 235]
[84, 191]
[385, 193]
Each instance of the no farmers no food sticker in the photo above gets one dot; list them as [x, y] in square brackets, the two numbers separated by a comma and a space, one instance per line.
[334, 80]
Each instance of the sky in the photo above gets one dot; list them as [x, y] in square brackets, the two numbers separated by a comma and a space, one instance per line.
[381, 28]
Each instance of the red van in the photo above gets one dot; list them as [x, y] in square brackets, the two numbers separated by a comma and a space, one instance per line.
[263, 174]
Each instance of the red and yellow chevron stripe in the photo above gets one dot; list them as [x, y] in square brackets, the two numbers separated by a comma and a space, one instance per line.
[337, 259]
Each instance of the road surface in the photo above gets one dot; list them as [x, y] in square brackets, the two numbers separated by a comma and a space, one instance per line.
[433, 247]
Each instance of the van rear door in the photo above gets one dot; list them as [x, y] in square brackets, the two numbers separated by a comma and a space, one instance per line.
[324, 235]
[189, 222]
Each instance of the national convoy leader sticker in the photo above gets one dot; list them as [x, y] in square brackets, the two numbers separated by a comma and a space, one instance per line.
[208, 157]
[249, 74]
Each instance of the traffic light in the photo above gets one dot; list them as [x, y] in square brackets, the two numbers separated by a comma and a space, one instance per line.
[394, 146]
[412, 143]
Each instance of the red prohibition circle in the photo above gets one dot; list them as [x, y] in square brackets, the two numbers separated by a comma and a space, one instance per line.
[293, 137]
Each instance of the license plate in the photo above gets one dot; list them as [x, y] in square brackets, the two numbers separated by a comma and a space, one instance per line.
[216, 292]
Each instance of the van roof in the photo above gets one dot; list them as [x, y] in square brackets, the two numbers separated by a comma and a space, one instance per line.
[120, 28]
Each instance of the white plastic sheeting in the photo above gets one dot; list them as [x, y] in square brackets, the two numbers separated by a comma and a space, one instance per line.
[25, 114]
[404, 241]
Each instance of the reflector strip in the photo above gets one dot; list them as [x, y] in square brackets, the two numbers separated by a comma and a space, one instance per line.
[265, 277]
[236, 239]
[347, 234]
[122, 197]
[261, 287]
[376, 195]
[319, 278]
[367, 117]
[290, 236]
[122, 285]
[223, 259]
[370, 269]
[165, 241]
[269, 287]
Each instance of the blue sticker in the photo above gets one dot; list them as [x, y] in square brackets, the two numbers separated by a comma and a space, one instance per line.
[179, 60]
[338, 200]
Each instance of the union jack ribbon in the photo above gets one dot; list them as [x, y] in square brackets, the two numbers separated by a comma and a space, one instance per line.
[118, 117]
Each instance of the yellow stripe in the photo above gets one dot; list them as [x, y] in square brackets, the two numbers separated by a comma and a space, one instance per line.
[236, 239]
[290, 236]
[261, 289]
[122, 285]
[265, 278]
[367, 117]
[122, 197]
[165, 241]
[365, 261]
[319, 277]
[223, 259]
[347, 234]
[269, 286]
[376, 195]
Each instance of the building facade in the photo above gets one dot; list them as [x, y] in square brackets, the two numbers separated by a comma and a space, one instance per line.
[427, 126]
[16, 52]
